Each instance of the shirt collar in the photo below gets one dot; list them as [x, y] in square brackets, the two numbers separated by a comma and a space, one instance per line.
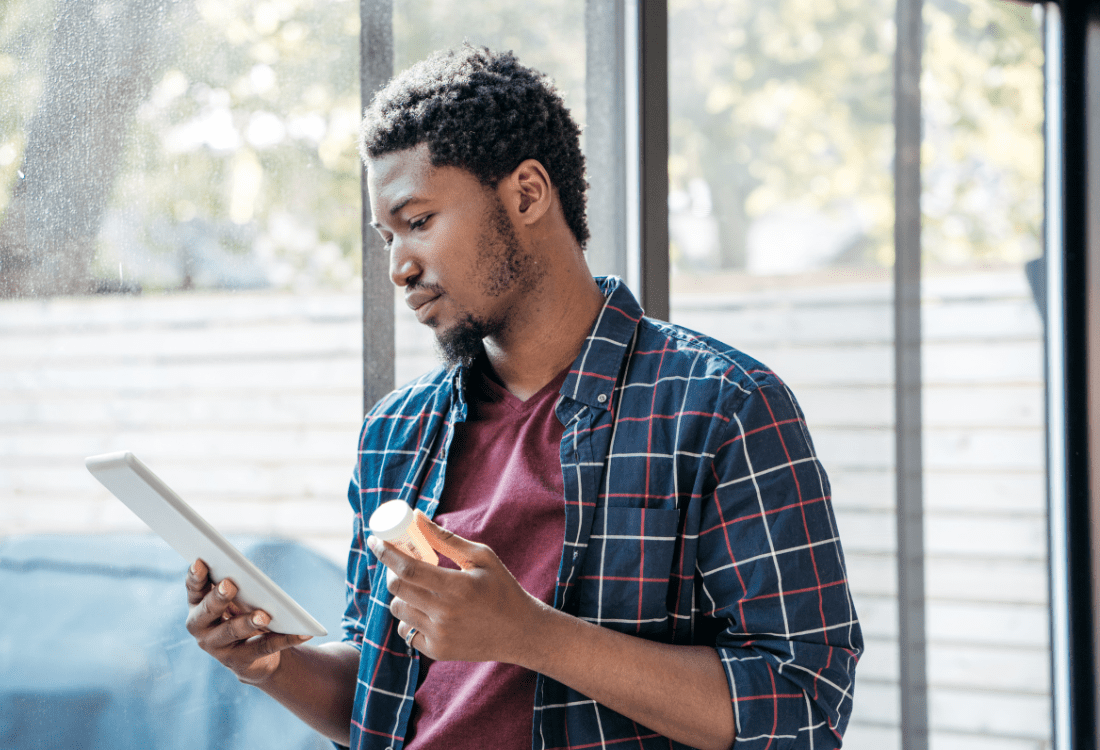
[592, 378]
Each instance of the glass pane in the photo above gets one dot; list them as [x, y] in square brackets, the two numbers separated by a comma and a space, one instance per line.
[781, 226]
[547, 35]
[179, 243]
[984, 447]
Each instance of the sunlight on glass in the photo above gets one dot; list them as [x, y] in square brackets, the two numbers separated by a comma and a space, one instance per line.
[179, 255]
[781, 220]
[180, 222]
[224, 116]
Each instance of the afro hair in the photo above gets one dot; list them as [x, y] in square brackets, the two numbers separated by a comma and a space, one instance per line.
[486, 113]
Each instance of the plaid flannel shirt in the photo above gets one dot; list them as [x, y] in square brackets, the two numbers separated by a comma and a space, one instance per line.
[695, 513]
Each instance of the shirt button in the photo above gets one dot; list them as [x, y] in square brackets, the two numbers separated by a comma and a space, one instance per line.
[575, 554]
[602, 398]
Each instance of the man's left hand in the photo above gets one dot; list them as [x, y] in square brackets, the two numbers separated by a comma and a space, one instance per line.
[480, 613]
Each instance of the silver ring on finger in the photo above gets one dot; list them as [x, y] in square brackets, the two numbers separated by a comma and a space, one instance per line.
[410, 635]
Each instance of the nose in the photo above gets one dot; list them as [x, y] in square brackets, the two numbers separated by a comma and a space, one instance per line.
[404, 269]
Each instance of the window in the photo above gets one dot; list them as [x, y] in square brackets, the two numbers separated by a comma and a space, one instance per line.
[181, 244]
[782, 229]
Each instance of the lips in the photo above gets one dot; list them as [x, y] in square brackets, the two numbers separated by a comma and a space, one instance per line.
[421, 302]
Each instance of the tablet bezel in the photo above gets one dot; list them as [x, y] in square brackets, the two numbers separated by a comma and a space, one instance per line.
[166, 513]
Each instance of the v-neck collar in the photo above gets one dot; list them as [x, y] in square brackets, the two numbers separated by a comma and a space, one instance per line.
[487, 388]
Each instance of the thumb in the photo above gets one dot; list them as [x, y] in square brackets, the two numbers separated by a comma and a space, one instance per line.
[461, 551]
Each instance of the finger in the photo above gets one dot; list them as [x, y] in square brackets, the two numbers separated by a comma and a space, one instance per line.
[420, 583]
[409, 586]
[210, 610]
[238, 629]
[464, 553]
[410, 619]
[198, 582]
[419, 639]
[408, 616]
[249, 651]
[405, 567]
[270, 643]
[235, 608]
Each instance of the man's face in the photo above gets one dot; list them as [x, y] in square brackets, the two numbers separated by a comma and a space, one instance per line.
[452, 246]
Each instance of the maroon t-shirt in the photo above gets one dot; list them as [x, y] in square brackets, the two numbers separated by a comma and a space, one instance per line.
[504, 489]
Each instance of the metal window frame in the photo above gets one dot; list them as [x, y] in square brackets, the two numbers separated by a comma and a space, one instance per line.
[1054, 371]
[626, 144]
[604, 135]
[908, 427]
[648, 122]
[379, 350]
[1072, 42]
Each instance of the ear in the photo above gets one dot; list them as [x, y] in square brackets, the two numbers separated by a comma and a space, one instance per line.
[528, 191]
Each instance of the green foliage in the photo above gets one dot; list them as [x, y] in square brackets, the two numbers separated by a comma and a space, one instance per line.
[252, 122]
[982, 157]
[791, 104]
[24, 45]
[787, 103]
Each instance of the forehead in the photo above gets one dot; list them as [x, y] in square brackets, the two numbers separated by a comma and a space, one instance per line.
[400, 178]
[399, 172]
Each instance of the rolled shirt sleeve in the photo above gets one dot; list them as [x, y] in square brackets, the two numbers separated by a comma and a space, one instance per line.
[771, 566]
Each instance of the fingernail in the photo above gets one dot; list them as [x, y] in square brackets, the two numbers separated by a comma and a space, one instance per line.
[260, 619]
[223, 588]
[193, 569]
[305, 637]
[373, 543]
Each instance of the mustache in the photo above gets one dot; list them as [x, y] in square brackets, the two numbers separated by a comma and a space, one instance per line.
[433, 288]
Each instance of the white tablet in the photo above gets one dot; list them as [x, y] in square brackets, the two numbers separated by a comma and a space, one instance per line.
[189, 534]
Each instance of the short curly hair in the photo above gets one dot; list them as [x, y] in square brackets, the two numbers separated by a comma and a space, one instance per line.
[484, 112]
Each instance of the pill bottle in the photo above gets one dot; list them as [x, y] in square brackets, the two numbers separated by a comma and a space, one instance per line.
[399, 524]
[411, 531]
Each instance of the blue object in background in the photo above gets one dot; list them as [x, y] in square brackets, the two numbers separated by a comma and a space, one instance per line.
[94, 653]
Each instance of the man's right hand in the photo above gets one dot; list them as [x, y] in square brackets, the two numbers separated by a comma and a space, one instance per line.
[232, 634]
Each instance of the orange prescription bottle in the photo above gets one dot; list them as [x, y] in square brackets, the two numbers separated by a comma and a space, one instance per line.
[396, 522]
[407, 529]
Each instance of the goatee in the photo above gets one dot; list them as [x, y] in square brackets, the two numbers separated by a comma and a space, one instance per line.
[463, 344]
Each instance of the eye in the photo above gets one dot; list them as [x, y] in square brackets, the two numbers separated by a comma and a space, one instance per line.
[418, 223]
[387, 238]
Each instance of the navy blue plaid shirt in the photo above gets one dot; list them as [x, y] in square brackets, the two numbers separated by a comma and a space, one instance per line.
[695, 513]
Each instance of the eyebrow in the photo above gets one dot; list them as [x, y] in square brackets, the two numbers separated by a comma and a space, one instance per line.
[398, 206]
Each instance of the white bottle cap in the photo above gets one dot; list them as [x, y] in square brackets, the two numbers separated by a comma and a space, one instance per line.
[391, 519]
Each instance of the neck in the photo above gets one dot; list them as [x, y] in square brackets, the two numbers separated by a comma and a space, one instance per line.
[546, 340]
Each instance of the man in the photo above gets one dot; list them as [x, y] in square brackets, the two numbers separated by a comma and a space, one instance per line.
[653, 560]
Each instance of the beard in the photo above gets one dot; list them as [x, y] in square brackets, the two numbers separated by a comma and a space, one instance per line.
[504, 261]
[464, 343]
[506, 267]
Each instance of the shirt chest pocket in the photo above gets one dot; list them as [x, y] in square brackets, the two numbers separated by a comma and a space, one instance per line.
[628, 569]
